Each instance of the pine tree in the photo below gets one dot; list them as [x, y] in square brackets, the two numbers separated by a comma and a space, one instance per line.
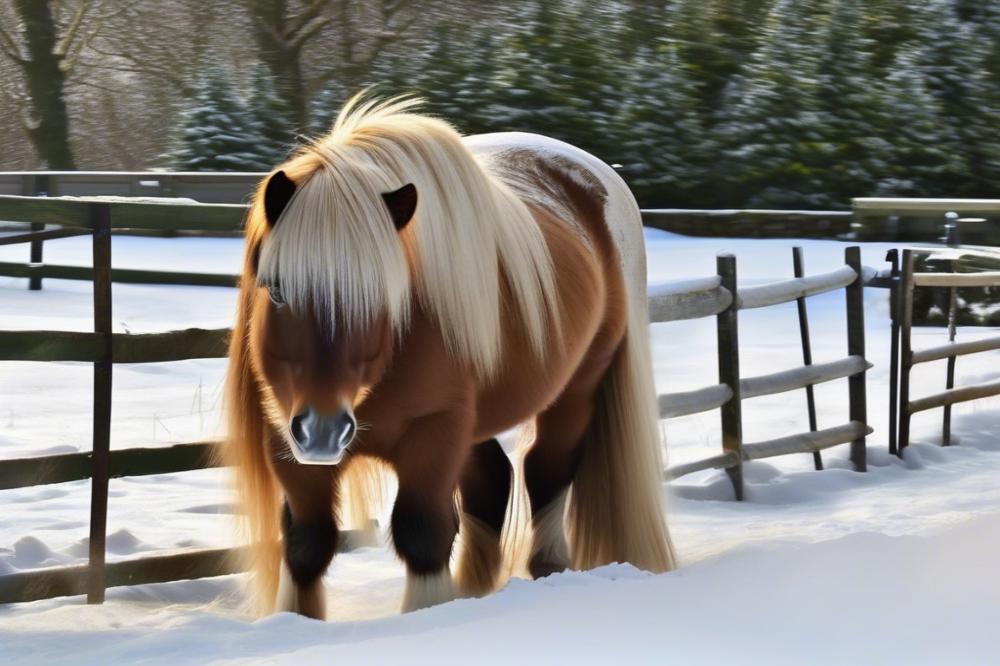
[663, 147]
[850, 107]
[920, 143]
[270, 117]
[216, 132]
[774, 149]
[953, 67]
[559, 76]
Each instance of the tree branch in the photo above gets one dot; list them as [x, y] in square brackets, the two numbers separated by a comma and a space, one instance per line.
[69, 62]
[10, 48]
[308, 14]
[307, 31]
[63, 46]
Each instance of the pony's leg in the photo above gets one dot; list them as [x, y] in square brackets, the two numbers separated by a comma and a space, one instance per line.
[548, 471]
[550, 464]
[428, 463]
[485, 487]
[310, 537]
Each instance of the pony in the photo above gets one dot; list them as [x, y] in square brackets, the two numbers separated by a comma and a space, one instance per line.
[408, 294]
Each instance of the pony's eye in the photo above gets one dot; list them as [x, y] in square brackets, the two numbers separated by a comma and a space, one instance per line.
[274, 291]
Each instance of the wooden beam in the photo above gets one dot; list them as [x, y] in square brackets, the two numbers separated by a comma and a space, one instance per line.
[120, 275]
[68, 581]
[126, 213]
[905, 347]
[721, 461]
[883, 204]
[50, 346]
[856, 382]
[35, 236]
[72, 581]
[171, 346]
[962, 394]
[799, 271]
[953, 349]
[700, 400]
[127, 347]
[807, 441]
[63, 467]
[984, 279]
[797, 378]
[790, 290]
[728, 342]
[100, 222]
[691, 299]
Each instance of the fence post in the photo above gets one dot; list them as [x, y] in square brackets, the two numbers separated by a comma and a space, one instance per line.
[100, 215]
[905, 349]
[33, 186]
[892, 256]
[799, 269]
[950, 372]
[729, 372]
[856, 347]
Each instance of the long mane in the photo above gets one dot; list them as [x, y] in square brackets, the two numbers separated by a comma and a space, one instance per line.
[472, 239]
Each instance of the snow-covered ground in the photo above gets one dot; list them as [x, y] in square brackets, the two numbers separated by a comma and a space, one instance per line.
[896, 565]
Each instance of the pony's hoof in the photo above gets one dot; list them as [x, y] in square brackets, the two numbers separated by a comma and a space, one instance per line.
[540, 568]
[425, 591]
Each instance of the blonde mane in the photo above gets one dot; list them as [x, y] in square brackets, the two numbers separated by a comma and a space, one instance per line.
[335, 247]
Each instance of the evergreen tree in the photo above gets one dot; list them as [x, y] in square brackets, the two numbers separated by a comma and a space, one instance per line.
[270, 117]
[850, 107]
[920, 143]
[774, 148]
[953, 67]
[559, 76]
[216, 132]
[715, 38]
[664, 154]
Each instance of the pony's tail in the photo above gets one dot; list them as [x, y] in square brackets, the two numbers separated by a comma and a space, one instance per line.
[245, 451]
[616, 503]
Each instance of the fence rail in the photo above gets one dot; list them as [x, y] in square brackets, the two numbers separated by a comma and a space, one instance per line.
[180, 345]
[64, 467]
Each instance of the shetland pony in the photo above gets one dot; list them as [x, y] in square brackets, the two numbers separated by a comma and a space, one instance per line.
[407, 295]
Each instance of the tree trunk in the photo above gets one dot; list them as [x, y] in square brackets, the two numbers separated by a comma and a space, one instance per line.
[270, 22]
[46, 82]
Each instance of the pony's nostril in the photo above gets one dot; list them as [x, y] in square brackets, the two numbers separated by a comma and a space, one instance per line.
[299, 427]
[347, 430]
[319, 439]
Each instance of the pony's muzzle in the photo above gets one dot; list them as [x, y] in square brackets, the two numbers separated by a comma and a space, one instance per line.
[321, 439]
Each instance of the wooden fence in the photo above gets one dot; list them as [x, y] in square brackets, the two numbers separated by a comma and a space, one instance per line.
[103, 348]
[719, 297]
[953, 280]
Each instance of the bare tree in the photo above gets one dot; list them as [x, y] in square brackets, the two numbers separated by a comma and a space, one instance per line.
[41, 54]
[305, 45]
[44, 39]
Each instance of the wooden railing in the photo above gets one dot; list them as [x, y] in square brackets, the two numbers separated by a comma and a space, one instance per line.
[910, 280]
[718, 296]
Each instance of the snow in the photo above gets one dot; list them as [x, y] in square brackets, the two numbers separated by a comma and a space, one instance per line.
[895, 565]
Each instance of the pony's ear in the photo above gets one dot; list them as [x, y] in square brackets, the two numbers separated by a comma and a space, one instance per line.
[402, 204]
[277, 193]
